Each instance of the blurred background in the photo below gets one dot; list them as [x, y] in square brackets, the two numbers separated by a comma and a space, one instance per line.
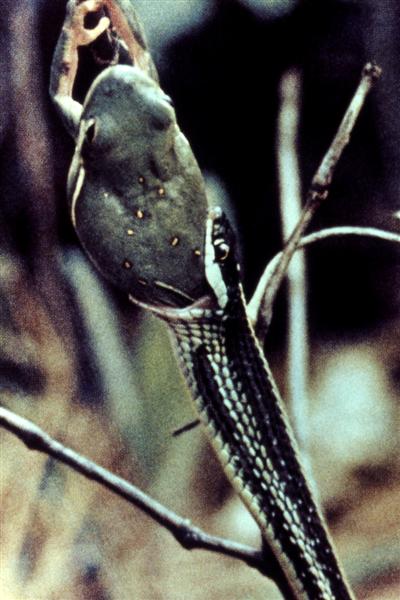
[99, 375]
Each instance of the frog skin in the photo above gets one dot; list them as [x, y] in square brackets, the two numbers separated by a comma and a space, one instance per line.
[136, 193]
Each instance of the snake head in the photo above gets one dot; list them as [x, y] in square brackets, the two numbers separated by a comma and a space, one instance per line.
[221, 264]
[220, 271]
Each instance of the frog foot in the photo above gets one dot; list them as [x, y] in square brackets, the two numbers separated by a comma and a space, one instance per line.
[76, 21]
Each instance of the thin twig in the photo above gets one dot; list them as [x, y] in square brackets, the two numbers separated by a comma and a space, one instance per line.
[253, 308]
[187, 427]
[317, 193]
[188, 535]
[290, 211]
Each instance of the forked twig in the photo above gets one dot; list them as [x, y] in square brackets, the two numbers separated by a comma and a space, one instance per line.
[317, 193]
[188, 535]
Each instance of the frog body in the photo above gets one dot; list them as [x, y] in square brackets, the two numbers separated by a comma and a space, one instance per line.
[137, 196]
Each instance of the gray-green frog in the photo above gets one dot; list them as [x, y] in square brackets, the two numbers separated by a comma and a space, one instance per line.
[136, 193]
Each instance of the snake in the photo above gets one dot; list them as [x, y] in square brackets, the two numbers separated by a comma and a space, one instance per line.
[239, 405]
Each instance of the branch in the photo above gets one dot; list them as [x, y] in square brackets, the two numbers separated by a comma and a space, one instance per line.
[254, 306]
[317, 193]
[290, 211]
[188, 535]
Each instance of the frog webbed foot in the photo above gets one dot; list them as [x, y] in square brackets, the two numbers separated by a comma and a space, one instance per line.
[76, 15]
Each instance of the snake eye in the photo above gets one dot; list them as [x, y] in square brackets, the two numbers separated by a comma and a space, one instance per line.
[221, 250]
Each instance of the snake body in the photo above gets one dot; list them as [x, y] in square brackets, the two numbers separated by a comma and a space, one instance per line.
[239, 405]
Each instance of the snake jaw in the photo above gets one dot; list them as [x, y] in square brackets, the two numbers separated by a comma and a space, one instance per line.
[202, 308]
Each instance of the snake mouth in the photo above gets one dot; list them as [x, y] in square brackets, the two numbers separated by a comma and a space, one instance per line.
[196, 311]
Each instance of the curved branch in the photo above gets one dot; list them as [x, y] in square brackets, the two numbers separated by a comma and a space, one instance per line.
[188, 535]
[256, 306]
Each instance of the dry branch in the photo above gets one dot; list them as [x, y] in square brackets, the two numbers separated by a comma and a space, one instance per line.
[188, 535]
[317, 193]
[290, 212]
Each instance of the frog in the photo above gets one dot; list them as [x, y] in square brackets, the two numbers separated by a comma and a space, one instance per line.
[136, 193]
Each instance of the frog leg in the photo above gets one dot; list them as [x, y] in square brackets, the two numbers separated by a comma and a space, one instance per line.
[127, 24]
[65, 60]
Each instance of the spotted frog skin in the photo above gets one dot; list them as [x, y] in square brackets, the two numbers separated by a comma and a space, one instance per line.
[136, 193]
